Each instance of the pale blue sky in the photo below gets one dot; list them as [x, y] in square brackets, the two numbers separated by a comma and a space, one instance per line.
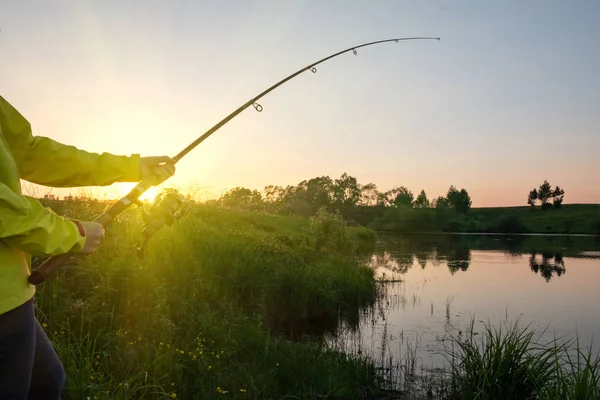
[509, 97]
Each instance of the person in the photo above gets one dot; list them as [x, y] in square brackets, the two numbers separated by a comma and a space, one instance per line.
[29, 365]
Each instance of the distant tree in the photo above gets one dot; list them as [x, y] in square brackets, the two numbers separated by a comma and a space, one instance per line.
[532, 198]
[403, 198]
[421, 201]
[273, 193]
[546, 196]
[440, 202]
[558, 195]
[459, 200]
[383, 198]
[545, 193]
[346, 190]
[242, 197]
[369, 195]
[320, 191]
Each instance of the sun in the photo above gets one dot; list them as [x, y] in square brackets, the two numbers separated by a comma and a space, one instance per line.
[149, 195]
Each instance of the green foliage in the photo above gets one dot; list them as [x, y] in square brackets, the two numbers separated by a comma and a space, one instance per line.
[533, 196]
[242, 198]
[558, 197]
[441, 202]
[460, 223]
[500, 365]
[459, 200]
[510, 364]
[421, 201]
[506, 223]
[402, 197]
[331, 234]
[547, 196]
[370, 196]
[545, 193]
[211, 309]
[346, 190]
[596, 226]
[407, 220]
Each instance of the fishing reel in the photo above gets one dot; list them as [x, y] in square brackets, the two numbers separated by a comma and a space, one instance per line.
[167, 207]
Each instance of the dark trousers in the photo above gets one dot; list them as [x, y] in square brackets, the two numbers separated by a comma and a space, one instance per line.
[29, 367]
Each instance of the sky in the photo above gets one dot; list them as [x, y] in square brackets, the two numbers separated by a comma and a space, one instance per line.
[509, 97]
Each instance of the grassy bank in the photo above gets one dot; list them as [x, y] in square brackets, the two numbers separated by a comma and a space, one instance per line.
[569, 219]
[511, 362]
[225, 304]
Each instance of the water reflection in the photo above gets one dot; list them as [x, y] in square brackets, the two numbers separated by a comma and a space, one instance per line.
[434, 286]
[398, 254]
[550, 264]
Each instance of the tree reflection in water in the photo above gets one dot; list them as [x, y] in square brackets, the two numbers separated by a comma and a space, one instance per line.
[399, 254]
[549, 264]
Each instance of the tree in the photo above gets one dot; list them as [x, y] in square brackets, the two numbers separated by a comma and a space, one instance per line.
[440, 202]
[242, 197]
[422, 201]
[403, 198]
[558, 195]
[459, 200]
[346, 190]
[320, 191]
[532, 198]
[369, 195]
[273, 193]
[544, 194]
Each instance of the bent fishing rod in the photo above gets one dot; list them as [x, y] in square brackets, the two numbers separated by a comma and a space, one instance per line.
[52, 264]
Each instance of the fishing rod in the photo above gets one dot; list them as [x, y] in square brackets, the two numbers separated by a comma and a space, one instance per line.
[167, 205]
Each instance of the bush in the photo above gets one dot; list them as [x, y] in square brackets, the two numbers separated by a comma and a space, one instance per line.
[461, 223]
[331, 233]
[596, 227]
[507, 223]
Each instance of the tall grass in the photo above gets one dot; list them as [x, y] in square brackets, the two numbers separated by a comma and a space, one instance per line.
[515, 363]
[225, 304]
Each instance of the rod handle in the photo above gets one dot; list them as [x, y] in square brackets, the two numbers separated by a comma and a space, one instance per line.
[50, 265]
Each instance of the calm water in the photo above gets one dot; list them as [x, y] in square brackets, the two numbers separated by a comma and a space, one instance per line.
[446, 280]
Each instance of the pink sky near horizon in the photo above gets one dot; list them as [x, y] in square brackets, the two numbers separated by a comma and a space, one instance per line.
[509, 97]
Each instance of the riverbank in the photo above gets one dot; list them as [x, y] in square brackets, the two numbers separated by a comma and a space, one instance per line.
[225, 304]
[569, 219]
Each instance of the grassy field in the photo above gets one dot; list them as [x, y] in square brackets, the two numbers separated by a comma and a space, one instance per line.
[569, 219]
[225, 304]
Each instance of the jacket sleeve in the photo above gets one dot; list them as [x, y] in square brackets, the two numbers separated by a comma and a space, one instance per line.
[46, 162]
[26, 225]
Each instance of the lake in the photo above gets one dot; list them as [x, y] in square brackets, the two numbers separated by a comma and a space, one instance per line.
[433, 286]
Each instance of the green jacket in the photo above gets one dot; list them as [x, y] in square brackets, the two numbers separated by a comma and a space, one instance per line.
[26, 226]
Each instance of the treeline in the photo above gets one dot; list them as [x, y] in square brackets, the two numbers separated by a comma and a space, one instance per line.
[308, 196]
[400, 210]
[397, 209]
